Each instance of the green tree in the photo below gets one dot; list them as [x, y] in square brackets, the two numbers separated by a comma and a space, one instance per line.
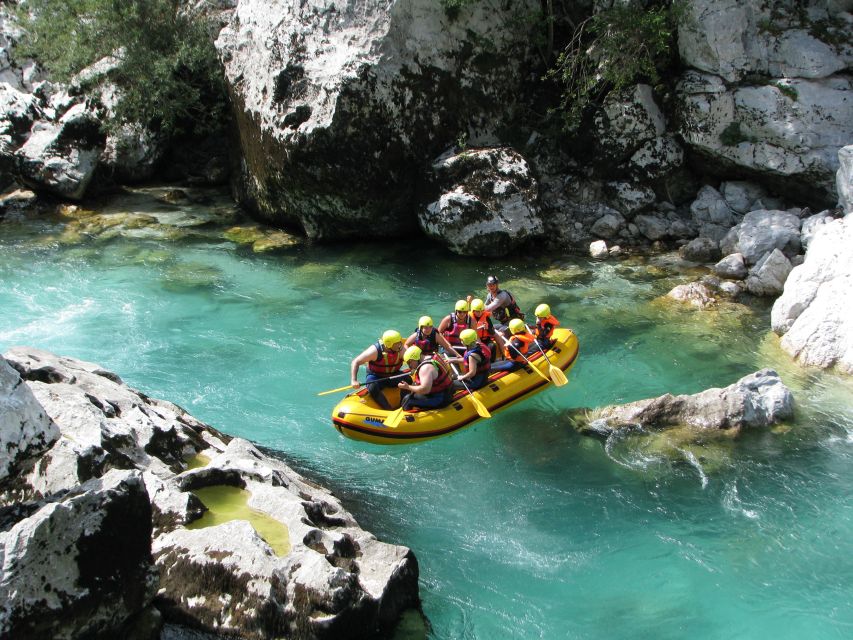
[612, 50]
[167, 70]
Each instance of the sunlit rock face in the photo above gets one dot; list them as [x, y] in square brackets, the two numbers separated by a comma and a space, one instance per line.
[766, 90]
[341, 106]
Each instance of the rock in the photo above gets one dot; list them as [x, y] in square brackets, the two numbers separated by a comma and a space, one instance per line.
[340, 107]
[844, 179]
[627, 121]
[755, 401]
[696, 294]
[608, 226]
[767, 278]
[814, 314]
[762, 231]
[489, 205]
[598, 249]
[80, 566]
[656, 158]
[700, 250]
[811, 224]
[712, 213]
[629, 198]
[131, 153]
[325, 577]
[732, 266]
[741, 196]
[652, 227]
[26, 431]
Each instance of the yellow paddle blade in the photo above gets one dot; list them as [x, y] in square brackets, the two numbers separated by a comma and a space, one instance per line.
[481, 408]
[323, 393]
[557, 376]
[394, 418]
[536, 369]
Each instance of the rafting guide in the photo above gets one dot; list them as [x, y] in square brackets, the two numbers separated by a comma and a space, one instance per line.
[482, 357]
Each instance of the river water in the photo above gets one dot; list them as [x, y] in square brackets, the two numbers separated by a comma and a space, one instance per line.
[522, 527]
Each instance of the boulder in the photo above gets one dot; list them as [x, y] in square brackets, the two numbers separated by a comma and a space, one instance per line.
[26, 431]
[742, 196]
[712, 214]
[762, 231]
[757, 400]
[696, 294]
[598, 249]
[732, 266]
[489, 205]
[767, 277]
[652, 227]
[341, 106]
[608, 226]
[626, 122]
[814, 314]
[844, 179]
[811, 224]
[79, 566]
[701, 250]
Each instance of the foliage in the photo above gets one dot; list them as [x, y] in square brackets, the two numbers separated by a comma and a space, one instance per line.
[787, 90]
[453, 7]
[167, 71]
[612, 50]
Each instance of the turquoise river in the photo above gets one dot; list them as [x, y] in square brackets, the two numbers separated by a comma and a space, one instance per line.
[522, 527]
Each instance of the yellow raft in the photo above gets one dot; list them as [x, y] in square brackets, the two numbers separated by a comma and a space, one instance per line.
[357, 416]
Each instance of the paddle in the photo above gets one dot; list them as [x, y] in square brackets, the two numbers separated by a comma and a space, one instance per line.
[479, 406]
[532, 366]
[394, 418]
[349, 386]
[557, 376]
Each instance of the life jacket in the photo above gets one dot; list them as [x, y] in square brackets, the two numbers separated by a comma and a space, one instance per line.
[545, 328]
[388, 361]
[443, 379]
[525, 339]
[507, 313]
[452, 333]
[483, 325]
[428, 344]
[485, 354]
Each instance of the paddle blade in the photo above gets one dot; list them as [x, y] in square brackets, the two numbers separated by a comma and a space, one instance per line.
[394, 418]
[481, 408]
[537, 370]
[323, 393]
[557, 376]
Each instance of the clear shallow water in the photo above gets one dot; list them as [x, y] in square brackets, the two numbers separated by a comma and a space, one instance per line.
[523, 529]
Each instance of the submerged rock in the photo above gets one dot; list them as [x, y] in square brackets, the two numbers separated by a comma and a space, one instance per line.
[757, 400]
[332, 579]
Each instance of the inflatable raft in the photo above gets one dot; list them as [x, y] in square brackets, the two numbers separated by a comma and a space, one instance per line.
[357, 416]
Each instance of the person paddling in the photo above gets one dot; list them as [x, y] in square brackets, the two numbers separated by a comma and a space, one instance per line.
[544, 328]
[428, 339]
[482, 324]
[432, 386]
[477, 360]
[516, 347]
[383, 360]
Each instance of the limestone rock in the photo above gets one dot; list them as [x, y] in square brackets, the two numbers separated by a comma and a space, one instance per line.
[844, 179]
[489, 206]
[732, 266]
[608, 226]
[755, 401]
[696, 294]
[598, 249]
[701, 250]
[814, 314]
[762, 231]
[767, 278]
[742, 196]
[26, 431]
[810, 226]
[80, 566]
[712, 213]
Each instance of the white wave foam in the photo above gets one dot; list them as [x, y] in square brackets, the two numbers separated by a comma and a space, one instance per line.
[47, 325]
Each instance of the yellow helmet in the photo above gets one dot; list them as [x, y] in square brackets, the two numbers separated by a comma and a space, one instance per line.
[425, 321]
[542, 311]
[478, 305]
[516, 325]
[390, 338]
[468, 337]
[412, 353]
[462, 305]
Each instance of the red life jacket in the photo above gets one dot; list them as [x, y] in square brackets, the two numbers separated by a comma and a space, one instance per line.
[387, 363]
[482, 325]
[427, 344]
[485, 357]
[442, 381]
[525, 339]
[545, 328]
[452, 333]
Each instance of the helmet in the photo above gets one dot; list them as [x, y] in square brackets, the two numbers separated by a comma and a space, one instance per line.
[491, 280]
[542, 311]
[390, 338]
[426, 321]
[468, 337]
[516, 325]
[478, 305]
[461, 305]
[412, 353]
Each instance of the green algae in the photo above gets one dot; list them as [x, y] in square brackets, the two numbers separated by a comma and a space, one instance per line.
[225, 503]
[197, 461]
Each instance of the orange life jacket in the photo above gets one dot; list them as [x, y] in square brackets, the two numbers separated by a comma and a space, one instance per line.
[525, 339]
[387, 363]
[442, 381]
[545, 328]
[483, 325]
